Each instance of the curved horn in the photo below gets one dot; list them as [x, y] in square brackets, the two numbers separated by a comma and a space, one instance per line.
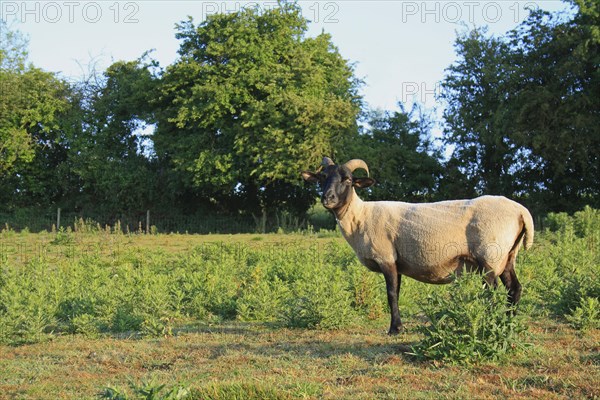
[327, 162]
[356, 163]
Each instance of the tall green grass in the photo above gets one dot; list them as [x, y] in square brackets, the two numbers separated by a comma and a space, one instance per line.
[469, 323]
[317, 284]
[151, 292]
[563, 269]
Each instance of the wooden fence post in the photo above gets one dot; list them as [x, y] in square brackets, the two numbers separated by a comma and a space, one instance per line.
[58, 219]
[147, 222]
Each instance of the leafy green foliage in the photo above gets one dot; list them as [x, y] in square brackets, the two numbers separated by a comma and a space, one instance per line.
[250, 103]
[553, 110]
[586, 315]
[108, 153]
[147, 391]
[474, 94]
[71, 287]
[399, 151]
[26, 315]
[152, 293]
[469, 323]
[31, 103]
[521, 109]
[264, 299]
[566, 266]
[63, 237]
[252, 100]
[75, 144]
[19, 112]
[319, 299]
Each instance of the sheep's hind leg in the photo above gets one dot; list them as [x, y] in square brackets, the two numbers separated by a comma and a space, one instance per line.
[510, 281]
[392, 283]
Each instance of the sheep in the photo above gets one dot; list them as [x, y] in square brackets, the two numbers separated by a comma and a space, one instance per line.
[429, 242]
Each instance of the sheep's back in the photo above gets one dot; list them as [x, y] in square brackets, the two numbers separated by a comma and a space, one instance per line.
[432, 239]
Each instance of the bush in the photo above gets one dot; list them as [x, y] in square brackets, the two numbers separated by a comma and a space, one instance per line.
[559, 222]
[586, 316]
[321, 299]
[26, 310]
[262, 300]
[147, 391]
[565, 268]
[469, 323]
[302, 281]
[320, 218]
[584, 223]
[587, 223]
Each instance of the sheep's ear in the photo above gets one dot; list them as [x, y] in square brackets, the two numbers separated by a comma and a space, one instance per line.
[310, 177]
[363, 182]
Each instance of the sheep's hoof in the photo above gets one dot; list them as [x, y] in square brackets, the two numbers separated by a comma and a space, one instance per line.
[395, 330]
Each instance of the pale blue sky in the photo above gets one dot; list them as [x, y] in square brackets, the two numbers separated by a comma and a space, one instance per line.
[400, 48]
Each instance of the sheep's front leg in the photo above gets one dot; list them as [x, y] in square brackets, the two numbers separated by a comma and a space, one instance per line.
[392, 283]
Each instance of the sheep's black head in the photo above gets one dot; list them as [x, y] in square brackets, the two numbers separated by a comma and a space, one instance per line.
[337, 181]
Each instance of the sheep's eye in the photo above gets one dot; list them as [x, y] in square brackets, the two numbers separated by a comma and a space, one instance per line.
[347, 180]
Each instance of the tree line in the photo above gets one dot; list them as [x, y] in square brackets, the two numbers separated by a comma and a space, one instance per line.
[252, 100]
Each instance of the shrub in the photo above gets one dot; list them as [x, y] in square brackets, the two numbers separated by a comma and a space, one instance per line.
[124, 319]
[321, 299]
[93, 289]
[586, 316]
[587, 222]
[147, 391]
[560, 274]
[468, 323]
[320, 218]
[26, 311]
[559, 222]
[63, 237]
[262, 300]
[77, 315]
[584, 223]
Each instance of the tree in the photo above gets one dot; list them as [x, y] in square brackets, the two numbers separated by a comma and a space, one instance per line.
[249, 104]
[31, 142]
[475, 92]
[524, 112]
[399, 150]
[555, 106]
[29, 104]
[109, 158]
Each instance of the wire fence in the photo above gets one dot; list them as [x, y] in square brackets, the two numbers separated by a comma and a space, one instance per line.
[149, 221]
[155, 222]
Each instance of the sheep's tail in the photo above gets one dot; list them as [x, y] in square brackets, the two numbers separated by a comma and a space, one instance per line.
[527, 228]
[526, 234]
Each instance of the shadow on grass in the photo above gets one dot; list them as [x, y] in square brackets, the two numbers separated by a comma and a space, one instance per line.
[265, 340]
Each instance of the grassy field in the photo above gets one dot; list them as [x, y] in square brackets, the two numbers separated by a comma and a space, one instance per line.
[98, 314]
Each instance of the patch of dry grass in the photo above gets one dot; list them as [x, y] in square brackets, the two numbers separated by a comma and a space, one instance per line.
[246, 358]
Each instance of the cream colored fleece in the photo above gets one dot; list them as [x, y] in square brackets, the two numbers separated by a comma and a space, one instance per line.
[430, 241]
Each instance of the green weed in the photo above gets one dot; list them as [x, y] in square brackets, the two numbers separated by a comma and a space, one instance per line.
[320, 299]
[147, 391]
[587, 315]
[63, 237]
[469, 323]
[307, 282]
